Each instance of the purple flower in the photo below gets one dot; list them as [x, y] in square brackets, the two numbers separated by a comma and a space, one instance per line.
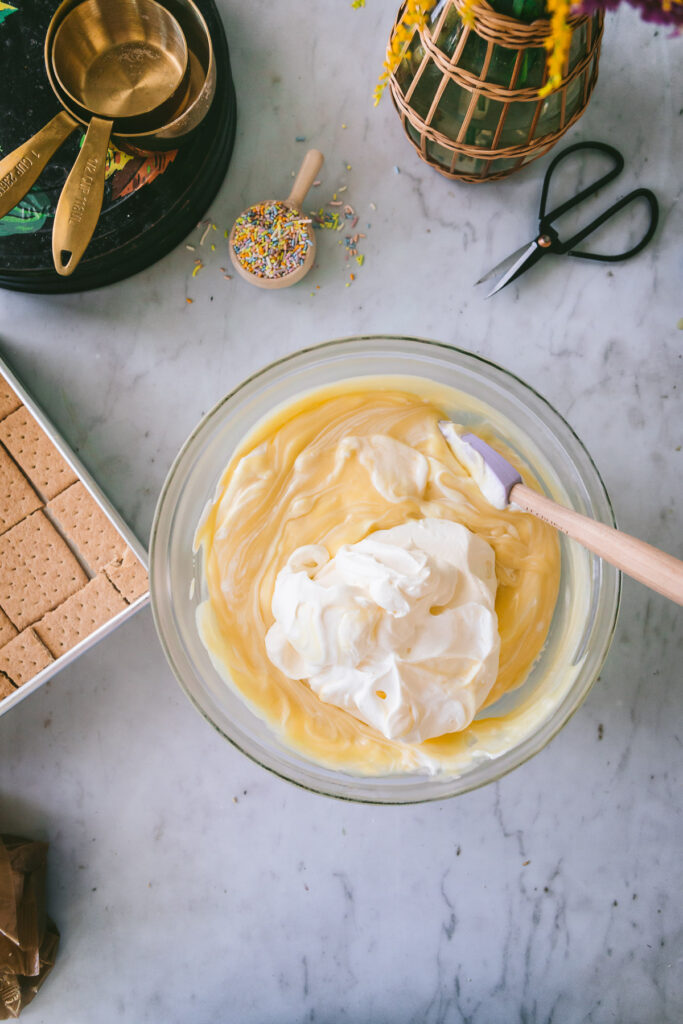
[650, 10]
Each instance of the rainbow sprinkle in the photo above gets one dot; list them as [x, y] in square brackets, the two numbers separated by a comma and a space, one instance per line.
[271, 240]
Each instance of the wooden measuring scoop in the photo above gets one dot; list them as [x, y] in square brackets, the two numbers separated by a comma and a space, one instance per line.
[308, 171]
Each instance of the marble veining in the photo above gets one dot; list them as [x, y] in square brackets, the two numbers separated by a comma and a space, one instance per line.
[190, 885]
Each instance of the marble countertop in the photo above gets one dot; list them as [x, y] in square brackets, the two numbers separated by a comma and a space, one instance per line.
[188, 883]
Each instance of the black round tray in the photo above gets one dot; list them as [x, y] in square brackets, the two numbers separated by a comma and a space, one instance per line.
[151, 203]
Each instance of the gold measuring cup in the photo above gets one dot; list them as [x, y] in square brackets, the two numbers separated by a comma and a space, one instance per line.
[156, 37]
[121, 66]
[122, 60]
[190, 112]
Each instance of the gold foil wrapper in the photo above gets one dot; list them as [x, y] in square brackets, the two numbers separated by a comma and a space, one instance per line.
[28, 938]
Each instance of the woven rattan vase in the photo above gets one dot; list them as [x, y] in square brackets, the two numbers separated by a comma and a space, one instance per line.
[467, 93]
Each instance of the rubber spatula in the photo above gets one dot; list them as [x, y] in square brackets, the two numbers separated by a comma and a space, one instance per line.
[661, 572]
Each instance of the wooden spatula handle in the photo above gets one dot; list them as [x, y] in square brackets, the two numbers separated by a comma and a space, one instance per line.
[657, 570]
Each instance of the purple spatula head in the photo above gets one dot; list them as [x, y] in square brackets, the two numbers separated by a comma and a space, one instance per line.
[493, 474]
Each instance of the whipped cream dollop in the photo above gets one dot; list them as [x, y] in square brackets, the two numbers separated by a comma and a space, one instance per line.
[399, 629]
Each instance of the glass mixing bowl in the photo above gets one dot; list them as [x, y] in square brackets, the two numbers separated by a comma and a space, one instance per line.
[587, 605]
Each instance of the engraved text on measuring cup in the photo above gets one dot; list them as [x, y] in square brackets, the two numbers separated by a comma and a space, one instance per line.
[20, 168]
[84, 186]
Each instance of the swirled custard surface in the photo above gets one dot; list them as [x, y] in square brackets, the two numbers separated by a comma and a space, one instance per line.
[331, 469]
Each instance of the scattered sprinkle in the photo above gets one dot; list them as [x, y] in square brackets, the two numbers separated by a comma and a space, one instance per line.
[344, 127]
[526, 863]
[300, 138]
[197, 267]
[191, 248]
[206, 231]
[373, 206]
[397, 170]
[213, 247]
[325, 220]
[316, 183]
[348, 167]
[189, 301]
[226, 233]
[270, 240]
[357, 3]
[341, 221]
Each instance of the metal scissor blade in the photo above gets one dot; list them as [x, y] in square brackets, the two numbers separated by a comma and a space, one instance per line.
[525, 258]
[501, 267]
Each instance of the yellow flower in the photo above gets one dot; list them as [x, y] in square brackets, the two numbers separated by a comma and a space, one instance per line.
[414, 16]
[467, 14]
[557, 44]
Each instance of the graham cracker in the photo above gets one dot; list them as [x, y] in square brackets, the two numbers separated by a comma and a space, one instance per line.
[17, 497]
[24, 657]
[79, 616]
[86, 525]
[37, 570]
[6, 688]
[29, 445]
[129, 576]
[7, 630]
[9, 401]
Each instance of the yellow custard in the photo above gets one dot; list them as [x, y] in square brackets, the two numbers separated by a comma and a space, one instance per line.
[286, 486]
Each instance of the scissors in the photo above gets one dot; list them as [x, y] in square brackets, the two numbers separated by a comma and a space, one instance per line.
[548, 240]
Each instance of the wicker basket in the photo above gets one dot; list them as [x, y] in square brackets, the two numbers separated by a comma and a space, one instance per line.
[467, 94]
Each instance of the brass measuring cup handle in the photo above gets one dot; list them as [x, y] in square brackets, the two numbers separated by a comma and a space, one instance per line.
[21, 168]
[81, 200]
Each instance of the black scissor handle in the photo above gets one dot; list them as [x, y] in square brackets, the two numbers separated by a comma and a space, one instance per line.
[545, 219]
[555, 244]
[638, 193]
